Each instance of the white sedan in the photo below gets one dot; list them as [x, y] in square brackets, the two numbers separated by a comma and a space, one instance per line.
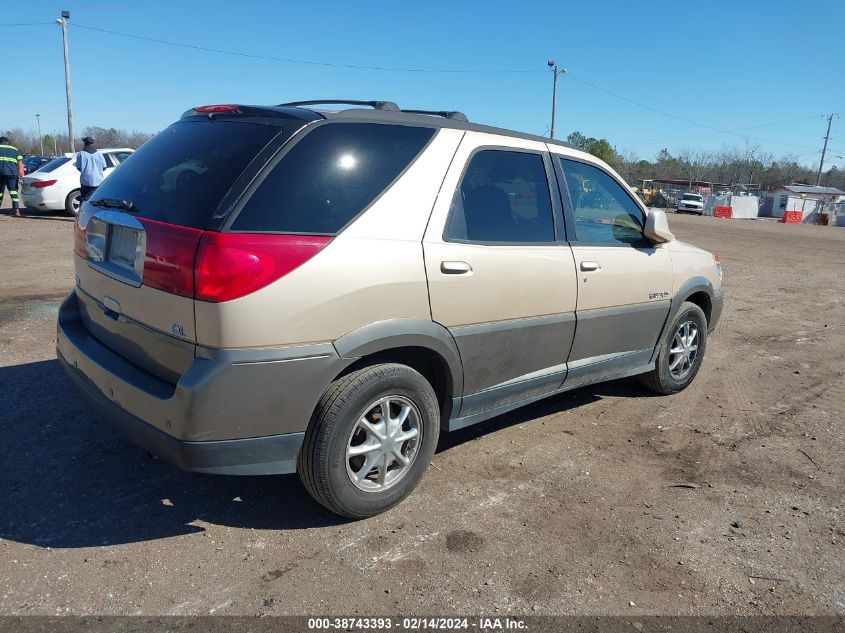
[55, 187]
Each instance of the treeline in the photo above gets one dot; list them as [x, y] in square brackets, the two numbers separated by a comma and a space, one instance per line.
[729, 165]
[56, 144]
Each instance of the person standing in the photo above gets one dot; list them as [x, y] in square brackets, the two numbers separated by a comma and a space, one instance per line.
[11, 169]
[90, 163]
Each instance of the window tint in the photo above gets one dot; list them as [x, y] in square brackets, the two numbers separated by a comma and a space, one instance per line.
[181, 175]
[503, 197]
[55, 163]
[604, 213]
[330, 176]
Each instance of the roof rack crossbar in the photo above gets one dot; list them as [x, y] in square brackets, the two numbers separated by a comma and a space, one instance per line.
[388, 106]
[446, 114]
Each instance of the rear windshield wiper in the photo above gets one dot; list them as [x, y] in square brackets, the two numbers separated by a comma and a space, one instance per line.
[114, 203]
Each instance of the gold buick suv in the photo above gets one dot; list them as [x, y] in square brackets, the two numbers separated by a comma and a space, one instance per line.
[323, 290]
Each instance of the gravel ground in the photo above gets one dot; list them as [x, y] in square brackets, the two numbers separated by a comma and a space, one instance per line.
[564, 507]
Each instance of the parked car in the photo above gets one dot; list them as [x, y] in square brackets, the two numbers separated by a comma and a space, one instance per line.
[55, 186]
[288, 289]
[691, 203]
[34, 163]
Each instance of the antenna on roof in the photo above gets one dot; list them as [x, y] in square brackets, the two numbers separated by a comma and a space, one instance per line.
[388, 106]
[446, 114]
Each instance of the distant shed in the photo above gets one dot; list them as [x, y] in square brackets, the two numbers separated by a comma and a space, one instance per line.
[808, 199]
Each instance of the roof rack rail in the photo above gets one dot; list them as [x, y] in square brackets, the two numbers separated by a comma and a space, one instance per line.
[388, 106]
[446, 114]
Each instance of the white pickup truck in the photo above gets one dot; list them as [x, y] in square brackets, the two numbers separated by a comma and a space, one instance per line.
[691, 203]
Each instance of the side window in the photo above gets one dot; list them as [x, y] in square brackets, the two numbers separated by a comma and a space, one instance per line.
[110, 161]
[503, 197]
[604, 212]
[330, 176]
[119, 157]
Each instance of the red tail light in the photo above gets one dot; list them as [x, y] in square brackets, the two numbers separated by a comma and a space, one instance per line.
[79, 245]
[231, 265]
[169, 257]
[211, 266]
[40, 184]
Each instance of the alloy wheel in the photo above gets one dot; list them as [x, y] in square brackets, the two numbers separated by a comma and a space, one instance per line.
[383, 444]
[684, 351]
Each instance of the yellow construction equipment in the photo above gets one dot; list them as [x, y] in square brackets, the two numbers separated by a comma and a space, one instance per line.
[646, 191]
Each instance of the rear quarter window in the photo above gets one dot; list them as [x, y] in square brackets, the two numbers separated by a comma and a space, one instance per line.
[330, 176]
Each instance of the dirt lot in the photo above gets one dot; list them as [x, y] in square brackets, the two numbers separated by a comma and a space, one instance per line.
[565, 507]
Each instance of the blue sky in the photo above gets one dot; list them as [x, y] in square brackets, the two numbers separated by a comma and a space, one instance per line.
[725, 65]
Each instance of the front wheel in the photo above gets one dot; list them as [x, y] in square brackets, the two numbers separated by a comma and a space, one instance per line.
[681, 352]
[370, 440]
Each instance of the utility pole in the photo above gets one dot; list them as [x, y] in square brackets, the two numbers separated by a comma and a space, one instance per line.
[40, 138]
[62, 21]
[824, 150]
[555, 72]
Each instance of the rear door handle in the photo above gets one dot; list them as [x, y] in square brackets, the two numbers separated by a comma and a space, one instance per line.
[590, 266]
[455, 268]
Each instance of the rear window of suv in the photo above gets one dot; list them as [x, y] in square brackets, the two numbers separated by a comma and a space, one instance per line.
[55, 163]
[181, 175]
[330, 176]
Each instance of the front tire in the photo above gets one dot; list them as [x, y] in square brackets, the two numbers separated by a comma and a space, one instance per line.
[72, 202]
[681, 352]
[370, 440]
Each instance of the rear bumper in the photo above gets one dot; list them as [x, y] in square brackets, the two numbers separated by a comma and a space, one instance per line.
[42, 199]
[239, 412]
[252, 456]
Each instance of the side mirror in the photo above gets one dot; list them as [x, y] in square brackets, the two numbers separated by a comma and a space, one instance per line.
[657, 227]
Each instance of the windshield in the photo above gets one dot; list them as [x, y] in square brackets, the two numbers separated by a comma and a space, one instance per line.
[692, 196]
[182, 174]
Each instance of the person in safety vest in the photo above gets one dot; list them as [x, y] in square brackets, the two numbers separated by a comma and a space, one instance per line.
[11, 169]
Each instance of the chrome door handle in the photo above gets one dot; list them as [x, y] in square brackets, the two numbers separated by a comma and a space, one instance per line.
[588, 266]
[455, 268]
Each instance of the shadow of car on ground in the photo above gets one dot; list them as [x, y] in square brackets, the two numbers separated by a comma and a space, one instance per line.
[71, 480]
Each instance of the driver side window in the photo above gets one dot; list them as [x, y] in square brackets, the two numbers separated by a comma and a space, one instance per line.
[603, 211]
[503, 198]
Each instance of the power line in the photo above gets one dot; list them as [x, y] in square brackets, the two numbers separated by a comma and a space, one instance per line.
[740, 129]
[308, 62]
[220, 51]
[680, 118]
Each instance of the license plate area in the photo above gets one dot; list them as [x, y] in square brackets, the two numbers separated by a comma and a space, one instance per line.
[123, 246]
[116, 244]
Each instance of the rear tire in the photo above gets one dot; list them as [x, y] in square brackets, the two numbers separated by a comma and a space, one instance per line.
[348, 430]
[677, 362]
[73, 202]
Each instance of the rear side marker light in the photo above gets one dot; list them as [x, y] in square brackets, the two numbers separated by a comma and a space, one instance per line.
[40, 184]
